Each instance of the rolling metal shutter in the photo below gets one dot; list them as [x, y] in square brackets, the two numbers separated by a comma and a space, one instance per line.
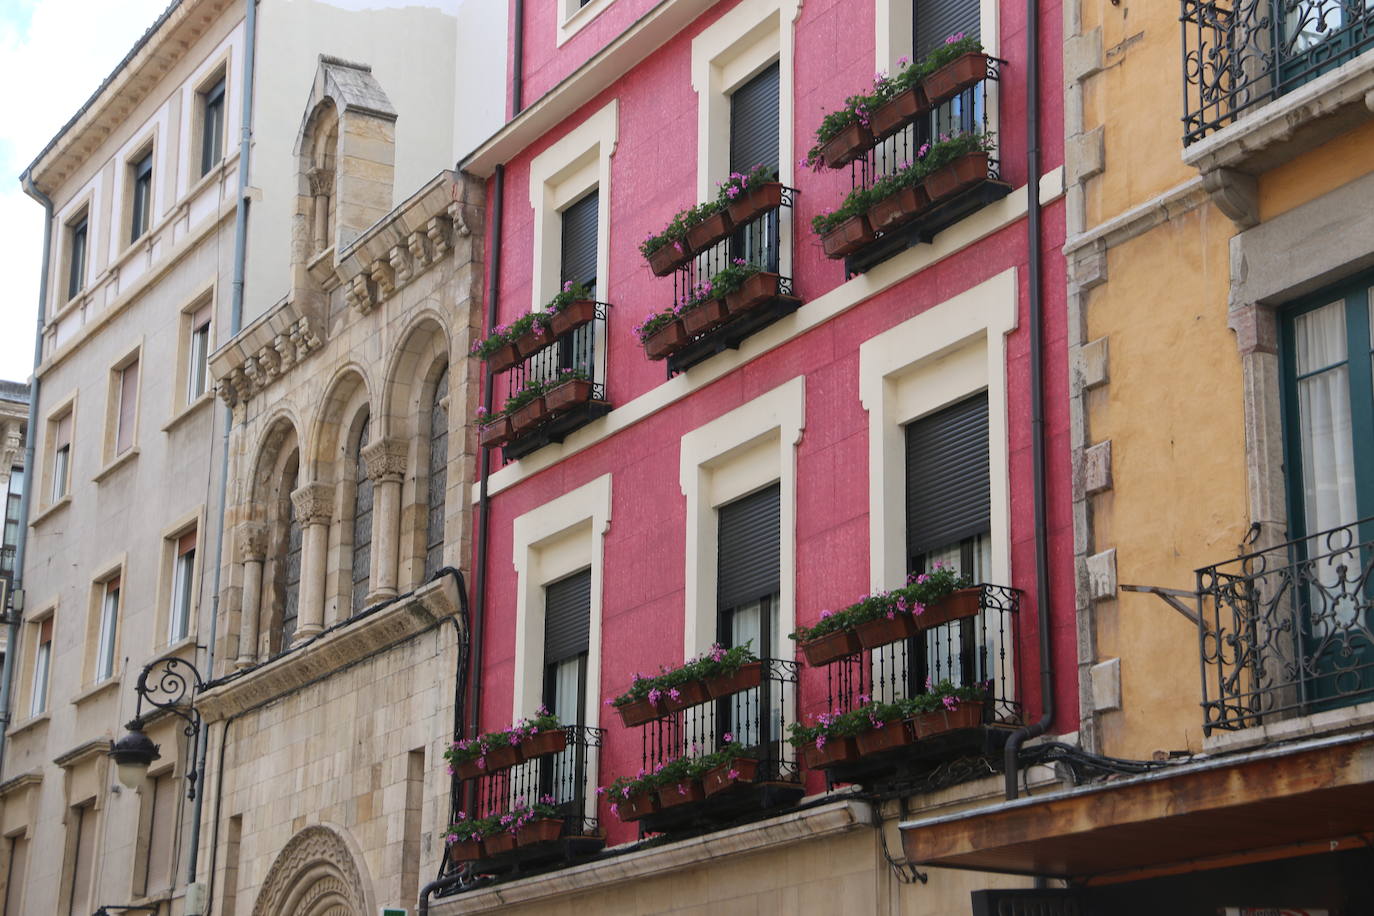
[935, 20]
[947, 488]
[579, 241]
[567, 617]
[754, 122]
[747, 549]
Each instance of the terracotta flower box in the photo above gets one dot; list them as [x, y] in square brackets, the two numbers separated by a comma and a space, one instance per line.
[543, 830]
[836, 751]
[959, 175]
[499, 843]
[503, 757]
[464, 851]
[552, 741]
[755, 202]
[496, 433]
[469, 769]
[503, 358]
[876, 633]
[754, 291]
[831, 647]
[692, 693]
[847, 145]
[876, 740]
[666, 340]
[683, 793]
[710, 230]
[954, 606]
[568, 395]
[896, 209]
[929, 724]
[955, 76]
[529, 415]
[848, 237]
[668, 257]
[898, 111]
[571, 317]
[532, 341]
[636, 806]
[746, 678]
[745, 770]
[704, 317]
[637, 712]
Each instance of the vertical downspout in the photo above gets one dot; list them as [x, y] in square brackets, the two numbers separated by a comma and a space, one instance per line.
[1042, 563]
[26, 498]
[250, 40]
[517, 82]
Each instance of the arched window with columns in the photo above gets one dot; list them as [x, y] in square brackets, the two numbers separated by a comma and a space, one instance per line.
[362, 520]
[291, 538]
[438, 475]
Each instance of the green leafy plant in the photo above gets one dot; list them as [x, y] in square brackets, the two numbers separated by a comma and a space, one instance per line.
[948, 148]
[570, 293]
[654, 322]
[732, 276]
[856, 108]
[468, 749]
[715, 661]
[921, 589]
[531, 390]
[954, 47]
[741, 183]
[676, 230]
[466, 828]
[857, 202]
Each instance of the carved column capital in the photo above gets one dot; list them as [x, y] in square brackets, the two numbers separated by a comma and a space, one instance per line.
[386, 459]
[321, 181]
[314, 503]
[252, 542]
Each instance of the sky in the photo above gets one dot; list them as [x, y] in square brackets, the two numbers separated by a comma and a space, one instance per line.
[53, 55]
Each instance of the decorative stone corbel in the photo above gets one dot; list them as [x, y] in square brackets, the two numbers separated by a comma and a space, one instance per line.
[438, 229]
[286, 351]
[359, 294]
[460, 223]
[304, 339]
[419, 250]
[270, 362]
[1235, 194]
[400, 264]
[385, 278]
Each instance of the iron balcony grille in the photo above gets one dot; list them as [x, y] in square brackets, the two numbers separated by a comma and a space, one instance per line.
[1287, 630]
[1239, 54]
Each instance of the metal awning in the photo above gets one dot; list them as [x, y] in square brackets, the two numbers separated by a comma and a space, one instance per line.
[1274, 802]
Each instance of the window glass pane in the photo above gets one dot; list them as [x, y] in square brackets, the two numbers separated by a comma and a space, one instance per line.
[362, 524]
[60, 468]
[438, 477]
[142, 197]
[128, 404]
[182, 579]
[76, 276]
[109, 622]
[212, 128]
[1324, 422]
[82, 820]
[39, 702]
[198, 371]
[291, 569]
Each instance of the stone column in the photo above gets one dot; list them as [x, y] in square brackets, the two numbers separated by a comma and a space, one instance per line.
[386, 466]
[321, 189]
[314, 504]
[252, 553]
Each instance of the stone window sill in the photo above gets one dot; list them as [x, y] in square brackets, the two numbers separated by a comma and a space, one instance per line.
[96, 690]
[28, 724]
[115, 464]
[1317, 724]
[51, 510]
[189, 410]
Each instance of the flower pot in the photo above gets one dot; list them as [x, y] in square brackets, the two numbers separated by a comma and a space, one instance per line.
[529, 415]
[847, 145]
[668, 257]
[876, 740]
[898, 111]
[745, 770]
[849, 236]
[959, 175]
[954, 606]
[692, 693]
[551, 741]
[499, 843]
[666, 340]
[967, 715]
[637, 712]
[955, 76]
[754, 291]
[532, 341]
[636, 806]
[896, 209]
[710, 230]
[875, 633]
[831, 647]
[502, 757]
[571, 317]
[704, 317]
[746, 678]
[755, 202]
[464, 851]
[498, 432]
[468, 769]
[568, 395]
[503, 358]
[683, 793]
[543, 830]
[836, 751]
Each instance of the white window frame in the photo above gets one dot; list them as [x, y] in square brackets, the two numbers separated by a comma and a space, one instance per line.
[892, 27]
[573, 18]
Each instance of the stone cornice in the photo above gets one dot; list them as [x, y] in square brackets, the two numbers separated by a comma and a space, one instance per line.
[82, 752]
[332, 650]
[263, 351]
[19, 783]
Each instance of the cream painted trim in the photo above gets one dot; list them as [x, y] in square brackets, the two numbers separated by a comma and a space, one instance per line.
[813, 314]
[571, 21]
[735, 454]
[947, 352]
[892, 29]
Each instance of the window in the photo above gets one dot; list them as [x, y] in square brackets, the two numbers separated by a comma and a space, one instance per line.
[42, 661]
[567, 623]
[932, 22]
[162, 798]
[748, 576]
[109, 630]
[12, 501]
[183, 588]
[126, 408]
[76, 255]
[362, 523]
[81, 837]
[211, 126]
[754, 142]
[141, 201]
[291, 566]
[438, 476]
[578, 263]
[198, 354]
[62, 456]
[18, 854]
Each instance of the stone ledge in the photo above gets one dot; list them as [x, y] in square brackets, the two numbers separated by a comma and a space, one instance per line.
[333, 649]
[1331, 721]
[793, 827]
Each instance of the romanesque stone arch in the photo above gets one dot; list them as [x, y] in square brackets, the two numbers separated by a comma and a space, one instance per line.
[316, 874]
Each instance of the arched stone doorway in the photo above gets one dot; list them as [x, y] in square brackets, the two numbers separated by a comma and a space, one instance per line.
[316, 874]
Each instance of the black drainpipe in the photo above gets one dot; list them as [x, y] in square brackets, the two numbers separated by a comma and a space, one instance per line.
[517, 83]
[1042, 563]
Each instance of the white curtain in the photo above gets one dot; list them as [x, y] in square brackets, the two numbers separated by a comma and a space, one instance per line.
[1328, 452]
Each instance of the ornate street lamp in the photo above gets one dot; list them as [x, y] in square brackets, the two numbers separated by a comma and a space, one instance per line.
[175, 683]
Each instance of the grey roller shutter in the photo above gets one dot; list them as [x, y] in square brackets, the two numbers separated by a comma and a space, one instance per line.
[579, 241]
[567, 617]
[947, 487]
[754, 122]
[936, 20]
[747, 549]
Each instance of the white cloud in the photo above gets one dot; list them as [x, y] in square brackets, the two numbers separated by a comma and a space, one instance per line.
[53, 56]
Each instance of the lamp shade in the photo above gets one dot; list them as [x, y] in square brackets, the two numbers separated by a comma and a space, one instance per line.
[133, 754]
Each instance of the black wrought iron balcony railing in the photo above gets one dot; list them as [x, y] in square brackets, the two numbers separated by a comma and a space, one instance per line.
[1288, 630]
[1241, 54]
[7, 561]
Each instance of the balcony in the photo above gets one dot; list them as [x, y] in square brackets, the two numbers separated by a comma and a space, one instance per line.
[1286, 631]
